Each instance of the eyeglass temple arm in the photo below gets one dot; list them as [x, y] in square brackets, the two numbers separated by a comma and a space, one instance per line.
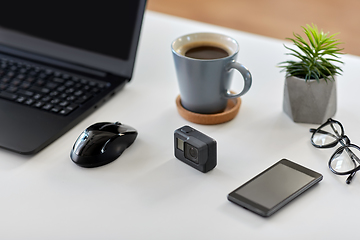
[312, 130]
[353, 158]
[350, 177]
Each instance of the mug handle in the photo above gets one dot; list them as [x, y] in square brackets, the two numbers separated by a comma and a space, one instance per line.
[247, 79]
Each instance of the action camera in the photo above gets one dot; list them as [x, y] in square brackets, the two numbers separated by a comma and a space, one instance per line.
[195, 148]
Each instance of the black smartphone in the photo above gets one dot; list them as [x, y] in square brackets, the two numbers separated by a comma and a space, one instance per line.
[275, 187]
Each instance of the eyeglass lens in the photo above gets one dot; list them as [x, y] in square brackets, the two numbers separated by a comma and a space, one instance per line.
[345, 159]
[328, 134]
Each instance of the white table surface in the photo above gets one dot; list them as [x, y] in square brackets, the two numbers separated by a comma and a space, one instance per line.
[148, 194]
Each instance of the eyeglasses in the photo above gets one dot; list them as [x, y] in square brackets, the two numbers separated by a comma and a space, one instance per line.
[344, 161]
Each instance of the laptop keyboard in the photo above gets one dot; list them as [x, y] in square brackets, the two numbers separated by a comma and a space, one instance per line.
[44, 88]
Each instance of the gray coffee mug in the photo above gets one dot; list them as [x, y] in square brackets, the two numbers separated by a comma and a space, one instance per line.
[204, 83]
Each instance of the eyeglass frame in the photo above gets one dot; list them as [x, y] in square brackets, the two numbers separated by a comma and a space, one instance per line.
[345, 146]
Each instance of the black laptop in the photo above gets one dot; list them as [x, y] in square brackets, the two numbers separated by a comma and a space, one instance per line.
[59, 61]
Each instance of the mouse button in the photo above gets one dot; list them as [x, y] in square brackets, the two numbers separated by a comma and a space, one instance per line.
[113, 128]
[129, 137]
[91, 143]
[97, 126]
[126, 129]
[120, 142]
[114, 144]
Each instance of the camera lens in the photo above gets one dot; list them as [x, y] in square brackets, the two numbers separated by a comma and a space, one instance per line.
[191, 153]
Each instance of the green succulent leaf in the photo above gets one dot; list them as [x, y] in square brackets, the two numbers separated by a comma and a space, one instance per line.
[317, 55]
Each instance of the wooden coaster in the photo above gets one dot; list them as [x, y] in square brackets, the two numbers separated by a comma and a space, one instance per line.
[228, 114]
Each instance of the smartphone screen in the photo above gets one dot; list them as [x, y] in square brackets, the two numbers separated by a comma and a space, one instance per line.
[274, 187]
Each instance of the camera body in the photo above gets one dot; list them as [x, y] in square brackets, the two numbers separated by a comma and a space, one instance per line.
[195, 148]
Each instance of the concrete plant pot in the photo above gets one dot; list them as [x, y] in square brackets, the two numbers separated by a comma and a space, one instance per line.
[309, 101]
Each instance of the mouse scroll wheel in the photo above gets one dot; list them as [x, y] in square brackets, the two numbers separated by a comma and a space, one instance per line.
[117, 123]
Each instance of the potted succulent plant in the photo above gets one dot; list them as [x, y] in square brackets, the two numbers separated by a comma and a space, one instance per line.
[310, 86]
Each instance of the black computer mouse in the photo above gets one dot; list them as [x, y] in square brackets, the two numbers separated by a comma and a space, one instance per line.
[102, 143]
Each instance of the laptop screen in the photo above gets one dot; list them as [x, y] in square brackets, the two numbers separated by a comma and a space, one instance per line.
[98, 35]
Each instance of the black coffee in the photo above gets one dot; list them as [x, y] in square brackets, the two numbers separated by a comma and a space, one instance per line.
[206, 52]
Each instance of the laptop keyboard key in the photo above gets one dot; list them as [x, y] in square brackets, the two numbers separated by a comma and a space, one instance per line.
[47, 106]
[7, 95]
[30, 79]
[61, 88]
[25, 85]
[54, 94]
[56, 109]
[39, 89]
[63, 104]
[16, 82]
[78, 93]
[46, 99]
[10, 74]
[20, 99]
[51, 85]
[63, 95]
[38, 104]
[29, 102]
[71, 98]
[83, 98]
[26, 93]
[65, 111]
[5, 80]
[3, 86]
[37, 96]
[40, 82]
[55, 101]
[12, 89]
